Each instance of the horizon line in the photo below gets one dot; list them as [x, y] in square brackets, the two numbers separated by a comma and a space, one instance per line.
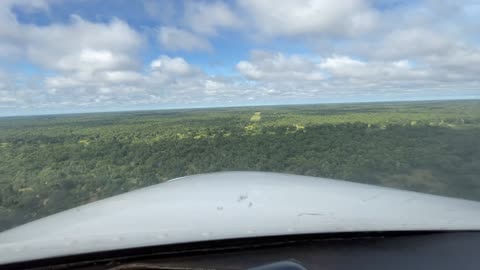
[234, 106]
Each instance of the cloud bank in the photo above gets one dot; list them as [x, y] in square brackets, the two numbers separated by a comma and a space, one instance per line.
[276, 51]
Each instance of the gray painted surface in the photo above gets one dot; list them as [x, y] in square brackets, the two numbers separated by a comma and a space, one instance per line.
[232, 205]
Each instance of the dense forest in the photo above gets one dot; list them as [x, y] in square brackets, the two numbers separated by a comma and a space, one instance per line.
[52, 163]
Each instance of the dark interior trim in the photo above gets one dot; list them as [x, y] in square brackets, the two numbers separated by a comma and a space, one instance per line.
[199, 248]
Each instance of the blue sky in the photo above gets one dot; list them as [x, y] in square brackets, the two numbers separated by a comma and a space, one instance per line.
[60, 56]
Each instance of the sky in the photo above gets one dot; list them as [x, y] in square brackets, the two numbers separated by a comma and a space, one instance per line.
[59, 56]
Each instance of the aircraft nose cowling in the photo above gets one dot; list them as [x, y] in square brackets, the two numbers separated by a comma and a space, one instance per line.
[233, 205]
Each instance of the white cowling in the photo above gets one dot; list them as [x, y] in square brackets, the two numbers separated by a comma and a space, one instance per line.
[233, 205]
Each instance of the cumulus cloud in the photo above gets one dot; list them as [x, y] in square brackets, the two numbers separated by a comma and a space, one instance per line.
[6, 95]
[84, 56]
[341, 75]
[175, 39]
[173, 80]
[208, 17]
[82, 53]
[414, 42]
[344, 67]
[277, 66]
[18, 91]
[175, 67]
[68, 46]
[112, 45]
[447, 55]
[310, 17]
[342, 49]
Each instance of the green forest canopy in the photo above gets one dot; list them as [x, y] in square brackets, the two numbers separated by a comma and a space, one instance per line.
[52, 163]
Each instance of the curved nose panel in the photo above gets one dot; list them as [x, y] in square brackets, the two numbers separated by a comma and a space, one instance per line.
[233, 205]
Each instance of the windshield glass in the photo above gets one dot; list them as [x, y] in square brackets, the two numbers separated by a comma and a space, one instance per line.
[99, 98]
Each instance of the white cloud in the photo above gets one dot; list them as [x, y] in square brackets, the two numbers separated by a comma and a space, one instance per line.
[344, 67]
[173, 66]
[60, 82]
[122, 76]
[172, 80]
[448, 56]
[84, 57]
[78, 44]
[413, 50]
[277, 66]
[175, 39]
[212, 86]
[294, 76]
[306, 17]
[250, 70]
[88, 60]
[414, 42]
[69, 47]
[208, 17]
[75, 81]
